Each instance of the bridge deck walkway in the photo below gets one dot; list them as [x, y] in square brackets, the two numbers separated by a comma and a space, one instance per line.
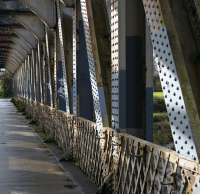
[27, 165]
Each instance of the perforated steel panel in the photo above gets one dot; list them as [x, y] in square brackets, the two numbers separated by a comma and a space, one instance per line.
[115, 62]
[60, 31]
[74, 64]
[92, 68]
[163, 59]
[55, 70]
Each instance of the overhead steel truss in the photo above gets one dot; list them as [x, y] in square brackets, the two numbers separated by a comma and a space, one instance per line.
[32, 44]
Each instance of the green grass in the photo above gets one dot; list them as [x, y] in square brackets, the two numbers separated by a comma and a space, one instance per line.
[159, 103]
[158, 95]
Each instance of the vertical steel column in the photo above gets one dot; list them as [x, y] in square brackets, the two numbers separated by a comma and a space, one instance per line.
[17, 85]
[20, 80]
[85, 101]
[34, 75]
[29, 79]
[13, 85]
[18, 89]
[31, 75]
[92, 68]
[74, 61]
[44, 76]
[16, 81]
[97, 61]
[48, 67]
[115, 62]
[55, 70]
[27, 87]
[128, 66]
[164, 60]
[108, 5]
[149, 86]
[40, 72]
[21, 88]
[22, 92]
[60, 31]
[23, 80]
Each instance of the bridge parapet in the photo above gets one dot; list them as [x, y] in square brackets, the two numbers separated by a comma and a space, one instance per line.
[132, 164]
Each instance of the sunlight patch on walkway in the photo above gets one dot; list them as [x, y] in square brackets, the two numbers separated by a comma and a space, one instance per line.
[34, 166]
[22, 133]
[17, 125]
[27, 145]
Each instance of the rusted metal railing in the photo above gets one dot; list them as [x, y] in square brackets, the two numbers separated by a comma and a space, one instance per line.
[136, 166]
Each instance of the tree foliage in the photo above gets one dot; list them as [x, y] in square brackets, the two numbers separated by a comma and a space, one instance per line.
[5, 87]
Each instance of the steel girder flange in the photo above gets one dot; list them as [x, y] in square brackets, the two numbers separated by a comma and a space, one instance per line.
[27, 36]
[44, 9]
[26, 39]
[32, 24]
[22, 24]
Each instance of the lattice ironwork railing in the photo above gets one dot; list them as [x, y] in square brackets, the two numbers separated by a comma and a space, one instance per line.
[136, 166]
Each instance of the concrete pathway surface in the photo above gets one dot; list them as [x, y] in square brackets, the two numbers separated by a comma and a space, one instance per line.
[27, 166]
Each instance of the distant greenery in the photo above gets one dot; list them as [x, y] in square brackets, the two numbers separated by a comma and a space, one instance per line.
[160, 116]
[5, 88]
[161, 126]
[158, 95]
